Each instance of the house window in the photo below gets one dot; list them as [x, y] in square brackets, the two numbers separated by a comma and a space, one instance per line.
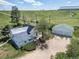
[25, 41]
[30, 39]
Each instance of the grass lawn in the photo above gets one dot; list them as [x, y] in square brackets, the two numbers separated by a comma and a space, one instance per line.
[4, 20]
[9, 52]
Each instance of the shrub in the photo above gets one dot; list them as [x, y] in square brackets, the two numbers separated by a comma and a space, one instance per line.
[30, 46]
[76, 32]
[61, 55]
[73, 49]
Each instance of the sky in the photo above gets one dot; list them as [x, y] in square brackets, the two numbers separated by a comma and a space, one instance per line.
[37, 4]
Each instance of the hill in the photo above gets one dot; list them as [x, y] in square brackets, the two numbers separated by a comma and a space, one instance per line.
[69, 8]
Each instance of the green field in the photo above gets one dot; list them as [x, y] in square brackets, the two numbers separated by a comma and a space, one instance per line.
[54, 17]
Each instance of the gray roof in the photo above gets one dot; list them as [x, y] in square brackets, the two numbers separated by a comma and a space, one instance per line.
[63, 29]
[27, 28]
[18, 30]
[20, 36]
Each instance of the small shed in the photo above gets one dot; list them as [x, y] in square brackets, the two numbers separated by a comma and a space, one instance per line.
[63, 30]
[22, 36]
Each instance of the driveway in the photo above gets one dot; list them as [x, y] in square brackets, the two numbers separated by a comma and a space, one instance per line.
[55, 45]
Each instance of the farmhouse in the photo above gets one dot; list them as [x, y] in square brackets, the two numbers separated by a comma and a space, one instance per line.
[63, 30]
[22, 36]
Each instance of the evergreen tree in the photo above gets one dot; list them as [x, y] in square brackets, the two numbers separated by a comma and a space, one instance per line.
[15, 15]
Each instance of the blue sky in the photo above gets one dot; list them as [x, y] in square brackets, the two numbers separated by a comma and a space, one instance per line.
[37, 4]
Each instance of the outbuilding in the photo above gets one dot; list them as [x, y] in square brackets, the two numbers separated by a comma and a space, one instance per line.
[63, 30]
[22, 36]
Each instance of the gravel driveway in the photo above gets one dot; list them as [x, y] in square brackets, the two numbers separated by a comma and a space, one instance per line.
[55, 45]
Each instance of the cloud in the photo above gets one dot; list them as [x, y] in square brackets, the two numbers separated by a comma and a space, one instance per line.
[34, 2]
[37, 3]
[68, 2]
[20, 2]
[30, 1]
[3, 2]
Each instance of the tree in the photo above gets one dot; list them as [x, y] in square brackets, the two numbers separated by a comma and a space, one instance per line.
[6, 31]
[73, 49]
[42, 27]
[25, 20]
[15, 15]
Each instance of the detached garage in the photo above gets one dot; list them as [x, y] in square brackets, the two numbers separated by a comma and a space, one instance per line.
[63, 30]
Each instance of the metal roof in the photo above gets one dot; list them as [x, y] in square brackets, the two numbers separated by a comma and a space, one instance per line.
[18, 30]
[27, 28]
[63, 29]
[20, 36]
